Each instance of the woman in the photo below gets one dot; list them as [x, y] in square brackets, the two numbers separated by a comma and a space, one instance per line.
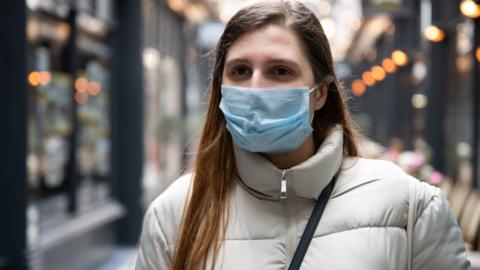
[277, 133]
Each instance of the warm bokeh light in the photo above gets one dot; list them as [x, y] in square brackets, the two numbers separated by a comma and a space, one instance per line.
[45, 78]
[329, 26]
[400, 58]
[388, 65]
[63, 30]
[195, 13]
[419, 101]
[470, 9]
[477, 53]
[434, 34]
[358, 88]
[34, 78]
[94, 88]
[176, 5]
[81, 97]
[81, 84]
[368, 78]
[378, 73]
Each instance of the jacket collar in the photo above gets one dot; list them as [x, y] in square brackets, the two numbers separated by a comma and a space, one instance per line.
[305, 180]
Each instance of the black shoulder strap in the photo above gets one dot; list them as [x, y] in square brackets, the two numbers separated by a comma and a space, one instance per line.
[311, 226]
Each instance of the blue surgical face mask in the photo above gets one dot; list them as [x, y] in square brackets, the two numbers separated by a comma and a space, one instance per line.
[267, 120]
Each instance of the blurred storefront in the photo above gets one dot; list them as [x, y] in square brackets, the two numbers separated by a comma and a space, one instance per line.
[415, 78]
[165, 95]
[110, 97]
[415, 81]
[72, 74]
[178, 35]
[68, 127]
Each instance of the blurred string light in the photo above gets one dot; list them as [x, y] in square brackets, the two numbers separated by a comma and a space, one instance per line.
[470, 9]
[81, 85]
[39, 78]
[45, 78]
[34, 78]
[358, 88]
[84, 88]
[94, 88]
[400, 58]
[477, 53]
[419, 101]
[388, 65]
[378, 73]
[434, 33]
[368, 78]
[81, 97]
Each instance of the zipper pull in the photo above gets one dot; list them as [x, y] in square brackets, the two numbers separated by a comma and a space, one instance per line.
[283, 187]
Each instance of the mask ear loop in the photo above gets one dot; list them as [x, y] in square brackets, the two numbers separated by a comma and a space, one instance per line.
[329, 80]
[313, 114]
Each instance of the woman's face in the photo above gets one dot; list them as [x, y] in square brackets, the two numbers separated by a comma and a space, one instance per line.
[270, 56]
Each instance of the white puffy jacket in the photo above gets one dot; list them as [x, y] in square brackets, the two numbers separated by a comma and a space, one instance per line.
[362, 228]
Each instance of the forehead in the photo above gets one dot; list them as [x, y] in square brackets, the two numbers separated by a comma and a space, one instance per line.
[270, 41]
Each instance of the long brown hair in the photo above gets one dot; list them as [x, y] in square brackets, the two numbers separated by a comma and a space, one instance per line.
[204, 221]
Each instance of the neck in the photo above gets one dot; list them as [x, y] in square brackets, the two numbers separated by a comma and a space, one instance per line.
[290, 159]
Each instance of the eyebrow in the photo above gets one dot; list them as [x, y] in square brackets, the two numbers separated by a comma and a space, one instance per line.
[284, 61]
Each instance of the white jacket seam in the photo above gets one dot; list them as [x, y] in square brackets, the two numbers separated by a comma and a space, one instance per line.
[358, 228]
[435, 195]
[316, 236]
[162, 239]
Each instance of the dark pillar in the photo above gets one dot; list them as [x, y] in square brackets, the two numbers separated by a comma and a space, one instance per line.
[407, 38]
[13, 139]
[127, 118]
[71, 65]
[442, 72]
[476, 107]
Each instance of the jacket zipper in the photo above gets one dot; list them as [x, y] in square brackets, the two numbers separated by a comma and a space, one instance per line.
[283, 185]
[291, 240]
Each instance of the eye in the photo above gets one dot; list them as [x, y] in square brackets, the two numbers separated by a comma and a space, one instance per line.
[240, 71]
[281, 71]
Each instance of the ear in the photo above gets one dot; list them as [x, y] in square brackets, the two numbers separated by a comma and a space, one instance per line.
[320, 97]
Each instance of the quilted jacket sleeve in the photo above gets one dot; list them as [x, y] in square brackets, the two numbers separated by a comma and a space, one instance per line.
[153, 249]
[437, 239]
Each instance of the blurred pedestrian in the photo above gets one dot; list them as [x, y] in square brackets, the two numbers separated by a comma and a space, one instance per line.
[278, 181]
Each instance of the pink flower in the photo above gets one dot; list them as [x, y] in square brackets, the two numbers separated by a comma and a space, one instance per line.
[416, 162]
[411, 161]
[435, 178]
